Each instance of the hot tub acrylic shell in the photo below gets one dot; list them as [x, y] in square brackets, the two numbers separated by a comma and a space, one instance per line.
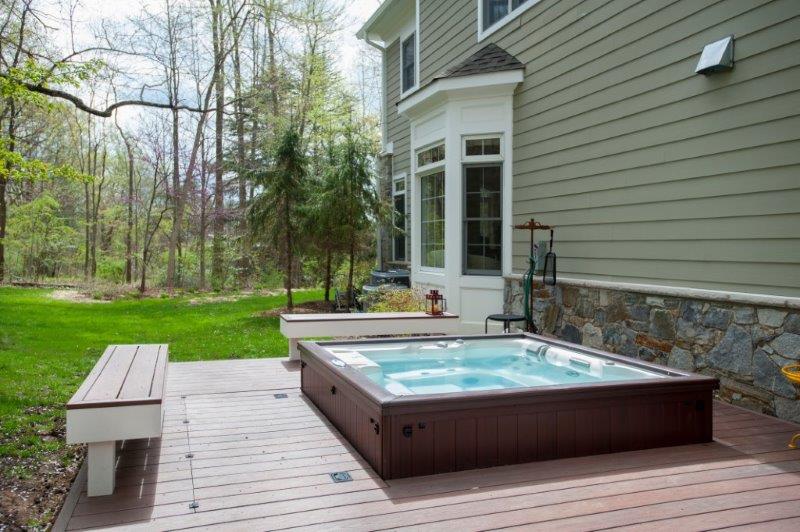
[403, 436]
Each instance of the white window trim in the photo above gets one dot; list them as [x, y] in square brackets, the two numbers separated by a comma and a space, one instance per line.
[482, 158]
[399, 177]
[503, 21]
[412, 28]
[395, 179]
[432, 167]
[421, 172]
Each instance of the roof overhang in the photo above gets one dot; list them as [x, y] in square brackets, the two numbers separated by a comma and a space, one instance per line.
[477, 85]
[386, 23]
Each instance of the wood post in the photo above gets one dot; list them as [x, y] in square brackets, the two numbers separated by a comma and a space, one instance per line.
[102, 460]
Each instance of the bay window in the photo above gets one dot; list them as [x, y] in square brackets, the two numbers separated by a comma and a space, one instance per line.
[483, 219]
[432, 220]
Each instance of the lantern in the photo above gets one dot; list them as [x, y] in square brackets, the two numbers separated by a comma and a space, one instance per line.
[435, 303]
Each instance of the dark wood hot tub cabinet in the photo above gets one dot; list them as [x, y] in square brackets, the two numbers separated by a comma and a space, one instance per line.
[404, 436]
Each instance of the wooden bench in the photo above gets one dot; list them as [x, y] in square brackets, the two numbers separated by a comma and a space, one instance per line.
[122, 398]
[297, 326]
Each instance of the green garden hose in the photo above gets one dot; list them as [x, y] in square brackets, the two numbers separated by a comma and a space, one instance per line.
[527, 287]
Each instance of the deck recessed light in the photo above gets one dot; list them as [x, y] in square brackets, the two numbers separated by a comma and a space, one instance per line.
[716, 57]
[341, 476]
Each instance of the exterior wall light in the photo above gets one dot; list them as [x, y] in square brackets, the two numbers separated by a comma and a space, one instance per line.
[716, 57]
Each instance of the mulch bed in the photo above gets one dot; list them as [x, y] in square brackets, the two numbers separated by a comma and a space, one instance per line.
[32, 500]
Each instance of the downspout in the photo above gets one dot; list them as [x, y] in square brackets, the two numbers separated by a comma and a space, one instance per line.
[380, 229]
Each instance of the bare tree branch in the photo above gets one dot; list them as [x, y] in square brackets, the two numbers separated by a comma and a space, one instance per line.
[108, 111]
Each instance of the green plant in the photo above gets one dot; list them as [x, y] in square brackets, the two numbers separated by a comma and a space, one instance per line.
[390, 299]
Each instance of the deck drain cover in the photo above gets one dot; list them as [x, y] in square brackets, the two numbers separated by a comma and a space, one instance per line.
[341, 476]
[280, 396]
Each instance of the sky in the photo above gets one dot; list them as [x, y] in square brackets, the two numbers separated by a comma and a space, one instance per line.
[89, 13]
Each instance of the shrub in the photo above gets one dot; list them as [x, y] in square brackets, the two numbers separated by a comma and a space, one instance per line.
[393, 300]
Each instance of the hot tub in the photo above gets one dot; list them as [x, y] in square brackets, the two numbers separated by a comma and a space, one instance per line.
[419, 406]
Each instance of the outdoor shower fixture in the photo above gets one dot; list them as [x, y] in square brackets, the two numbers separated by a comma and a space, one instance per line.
[716, 57]
[548, 273]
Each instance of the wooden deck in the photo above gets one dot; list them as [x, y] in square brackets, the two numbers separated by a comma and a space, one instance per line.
[252, 461]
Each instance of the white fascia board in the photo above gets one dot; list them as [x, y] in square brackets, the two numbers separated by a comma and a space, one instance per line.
[363, 33]
[383, 27]
[495, 83]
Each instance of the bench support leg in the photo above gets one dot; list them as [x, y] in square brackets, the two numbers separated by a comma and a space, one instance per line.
[294, 352]
[102, 459]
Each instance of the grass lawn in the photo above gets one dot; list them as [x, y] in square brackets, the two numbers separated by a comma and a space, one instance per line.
[47, 347]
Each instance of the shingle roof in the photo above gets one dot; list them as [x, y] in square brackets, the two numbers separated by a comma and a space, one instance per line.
[490, 58]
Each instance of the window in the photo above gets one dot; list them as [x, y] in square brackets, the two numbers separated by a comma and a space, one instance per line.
[399, 219]
[483, 219]
[493, 12]
[487, 146]
[408, 59]
[432, 220]
[430, 156]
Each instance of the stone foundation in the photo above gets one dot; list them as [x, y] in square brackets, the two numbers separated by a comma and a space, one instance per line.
[743, 345]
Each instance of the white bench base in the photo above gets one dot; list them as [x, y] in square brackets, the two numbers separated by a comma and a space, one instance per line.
[102, 458]
[298, 326]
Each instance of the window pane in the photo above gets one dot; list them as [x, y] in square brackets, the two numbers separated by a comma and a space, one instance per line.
[483, 226]
[430, 156]
[493, 10]
[472, 208]
[432, 220]
[491, 178]
[488, 146]
[399, 248]
[474, 147]
[491, 146]
[516, 3]
[408, 59]
[474, 178]
[399, 214]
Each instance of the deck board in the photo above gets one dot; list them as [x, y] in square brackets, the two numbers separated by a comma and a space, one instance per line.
[259, 462]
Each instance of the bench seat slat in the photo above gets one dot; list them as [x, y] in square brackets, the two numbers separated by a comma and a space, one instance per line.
[109, 384]
[160, 372]
[91, 378]
[139, 379]
[124, 375]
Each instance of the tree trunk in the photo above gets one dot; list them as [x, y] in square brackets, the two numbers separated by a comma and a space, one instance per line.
[129, 232]
[240, 147]
[96, 198]
[289, 254]
[328, 258]
[217, 272]
[352, 264]
[142, 282]
[3, 220]
[273, 69]
[203, 216]
[176, 193]
[3, 185]
[87, 230]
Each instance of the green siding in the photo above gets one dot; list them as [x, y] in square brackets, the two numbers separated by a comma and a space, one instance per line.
[397, 127]
[653, 174]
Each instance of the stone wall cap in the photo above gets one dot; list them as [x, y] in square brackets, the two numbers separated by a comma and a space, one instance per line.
[761, 300]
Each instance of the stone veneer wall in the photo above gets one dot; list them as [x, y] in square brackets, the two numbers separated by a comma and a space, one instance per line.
[743, 345]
